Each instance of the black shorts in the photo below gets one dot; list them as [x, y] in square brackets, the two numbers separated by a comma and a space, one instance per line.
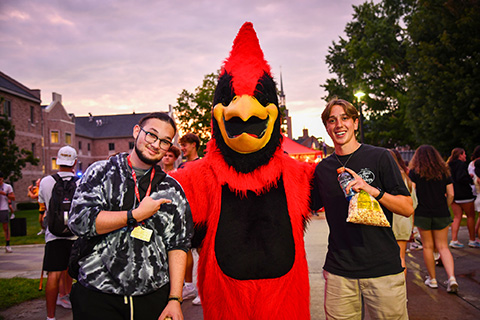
[57, 253]
[96, 305]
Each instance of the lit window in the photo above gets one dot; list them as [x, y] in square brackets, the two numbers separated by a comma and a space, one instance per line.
[54, 137]
[68, 138]
[54, 164]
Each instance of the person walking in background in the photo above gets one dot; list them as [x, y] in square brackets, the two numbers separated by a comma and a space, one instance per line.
[434, 189]
[189, 144]
[476, 189]
[33, 194]
[463, 200]
[169, 159]
[362, 267]
[6, 195]
[402, 226]
[57, 249]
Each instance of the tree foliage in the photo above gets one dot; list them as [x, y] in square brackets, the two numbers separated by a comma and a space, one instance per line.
[13, 159]
[194, 110]
[444, 86]
[418, 63]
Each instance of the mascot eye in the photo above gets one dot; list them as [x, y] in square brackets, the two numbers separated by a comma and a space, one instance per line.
[261, 97]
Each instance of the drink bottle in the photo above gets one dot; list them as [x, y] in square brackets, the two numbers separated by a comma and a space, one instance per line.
[344, 178]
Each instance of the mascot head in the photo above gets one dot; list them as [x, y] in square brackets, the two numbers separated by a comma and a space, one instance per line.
[246, 118]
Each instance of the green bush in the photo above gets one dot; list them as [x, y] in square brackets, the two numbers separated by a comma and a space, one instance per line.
[27, 206]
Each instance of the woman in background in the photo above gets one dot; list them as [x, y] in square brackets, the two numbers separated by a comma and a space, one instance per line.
[434, 189]
[476, 190]
[464, 198]
[402, 226]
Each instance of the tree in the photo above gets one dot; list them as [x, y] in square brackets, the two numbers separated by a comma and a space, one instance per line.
[194, 110]
[373, 59]
[418, 62]
[13, 159]
[444, 86]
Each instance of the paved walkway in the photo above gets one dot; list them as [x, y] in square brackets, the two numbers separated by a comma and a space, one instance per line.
[423, 302]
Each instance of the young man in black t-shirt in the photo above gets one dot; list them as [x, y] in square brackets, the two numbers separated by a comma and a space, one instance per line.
[363, 263]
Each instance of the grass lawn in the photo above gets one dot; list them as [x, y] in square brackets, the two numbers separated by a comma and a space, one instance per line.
[17, 290]
[33, 227]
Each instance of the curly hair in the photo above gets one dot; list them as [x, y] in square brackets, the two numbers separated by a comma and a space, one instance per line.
[429, 164]
[476, 153]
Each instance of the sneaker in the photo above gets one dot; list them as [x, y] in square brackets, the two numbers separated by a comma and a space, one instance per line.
[432, 283]
[473, 244]
[456, 245]
[64, 301]
[8, 249]
[189, 292]
[41, 232]
[197, 301]
[415, 246]
[12, 216]
[452, 285]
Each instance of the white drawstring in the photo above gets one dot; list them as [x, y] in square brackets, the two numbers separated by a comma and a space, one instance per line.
[131, 305]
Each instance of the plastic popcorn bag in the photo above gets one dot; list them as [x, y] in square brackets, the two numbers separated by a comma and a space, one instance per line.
[364, 209]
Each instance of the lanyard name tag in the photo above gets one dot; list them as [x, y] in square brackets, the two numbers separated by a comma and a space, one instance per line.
[141, 233]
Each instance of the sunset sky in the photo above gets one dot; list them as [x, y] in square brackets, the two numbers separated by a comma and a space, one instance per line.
[111, 57]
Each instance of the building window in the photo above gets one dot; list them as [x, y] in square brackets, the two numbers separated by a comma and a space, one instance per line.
[79, 145]
[68, 138]
[111, 146]
[33, 150]
[32, 115]
[7, 108]
[88, 146]
[54, 137]
[80, 166]
[54, 164]
[131, 145]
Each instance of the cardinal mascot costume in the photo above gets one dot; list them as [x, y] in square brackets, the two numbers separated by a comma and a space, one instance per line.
[249, 199]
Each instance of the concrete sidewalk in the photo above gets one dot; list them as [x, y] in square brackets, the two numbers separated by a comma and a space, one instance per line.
[423, 302]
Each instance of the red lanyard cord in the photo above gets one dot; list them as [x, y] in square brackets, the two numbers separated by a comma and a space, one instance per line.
[134, 176]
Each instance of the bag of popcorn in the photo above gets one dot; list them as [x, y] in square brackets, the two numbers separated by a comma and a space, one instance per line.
[364, 209]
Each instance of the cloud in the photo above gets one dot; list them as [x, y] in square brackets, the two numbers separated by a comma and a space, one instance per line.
[119, 56]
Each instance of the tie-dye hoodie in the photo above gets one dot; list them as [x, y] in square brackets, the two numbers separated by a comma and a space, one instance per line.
[121, 264]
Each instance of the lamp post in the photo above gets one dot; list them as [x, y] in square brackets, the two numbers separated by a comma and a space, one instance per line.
[359, 94]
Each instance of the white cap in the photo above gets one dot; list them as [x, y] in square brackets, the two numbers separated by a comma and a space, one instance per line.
[66, 156]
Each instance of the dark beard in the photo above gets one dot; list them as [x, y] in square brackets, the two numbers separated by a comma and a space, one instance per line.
[142, 157]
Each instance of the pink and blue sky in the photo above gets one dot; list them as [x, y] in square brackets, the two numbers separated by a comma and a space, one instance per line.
[111, 57]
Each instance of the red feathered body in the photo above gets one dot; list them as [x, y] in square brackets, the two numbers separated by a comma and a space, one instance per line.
[224, 297]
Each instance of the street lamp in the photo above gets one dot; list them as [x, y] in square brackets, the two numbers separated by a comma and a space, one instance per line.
[359, 94]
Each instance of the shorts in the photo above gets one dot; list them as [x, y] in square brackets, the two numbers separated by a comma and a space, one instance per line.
[384, 297]
[464, 201]
[434, 223]
[4, 216]
[57, 254]
[402, 227]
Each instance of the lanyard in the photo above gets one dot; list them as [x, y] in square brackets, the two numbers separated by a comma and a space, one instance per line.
[134, 176]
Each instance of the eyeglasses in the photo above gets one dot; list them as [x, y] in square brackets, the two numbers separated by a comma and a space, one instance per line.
[151, 138]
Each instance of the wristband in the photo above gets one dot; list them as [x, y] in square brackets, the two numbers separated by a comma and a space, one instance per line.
[180, 300]
[380, 195]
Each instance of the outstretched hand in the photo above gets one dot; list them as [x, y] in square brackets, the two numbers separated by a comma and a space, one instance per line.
[148, 207]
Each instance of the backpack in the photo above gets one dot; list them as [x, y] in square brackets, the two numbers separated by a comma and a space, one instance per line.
[59, 206]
